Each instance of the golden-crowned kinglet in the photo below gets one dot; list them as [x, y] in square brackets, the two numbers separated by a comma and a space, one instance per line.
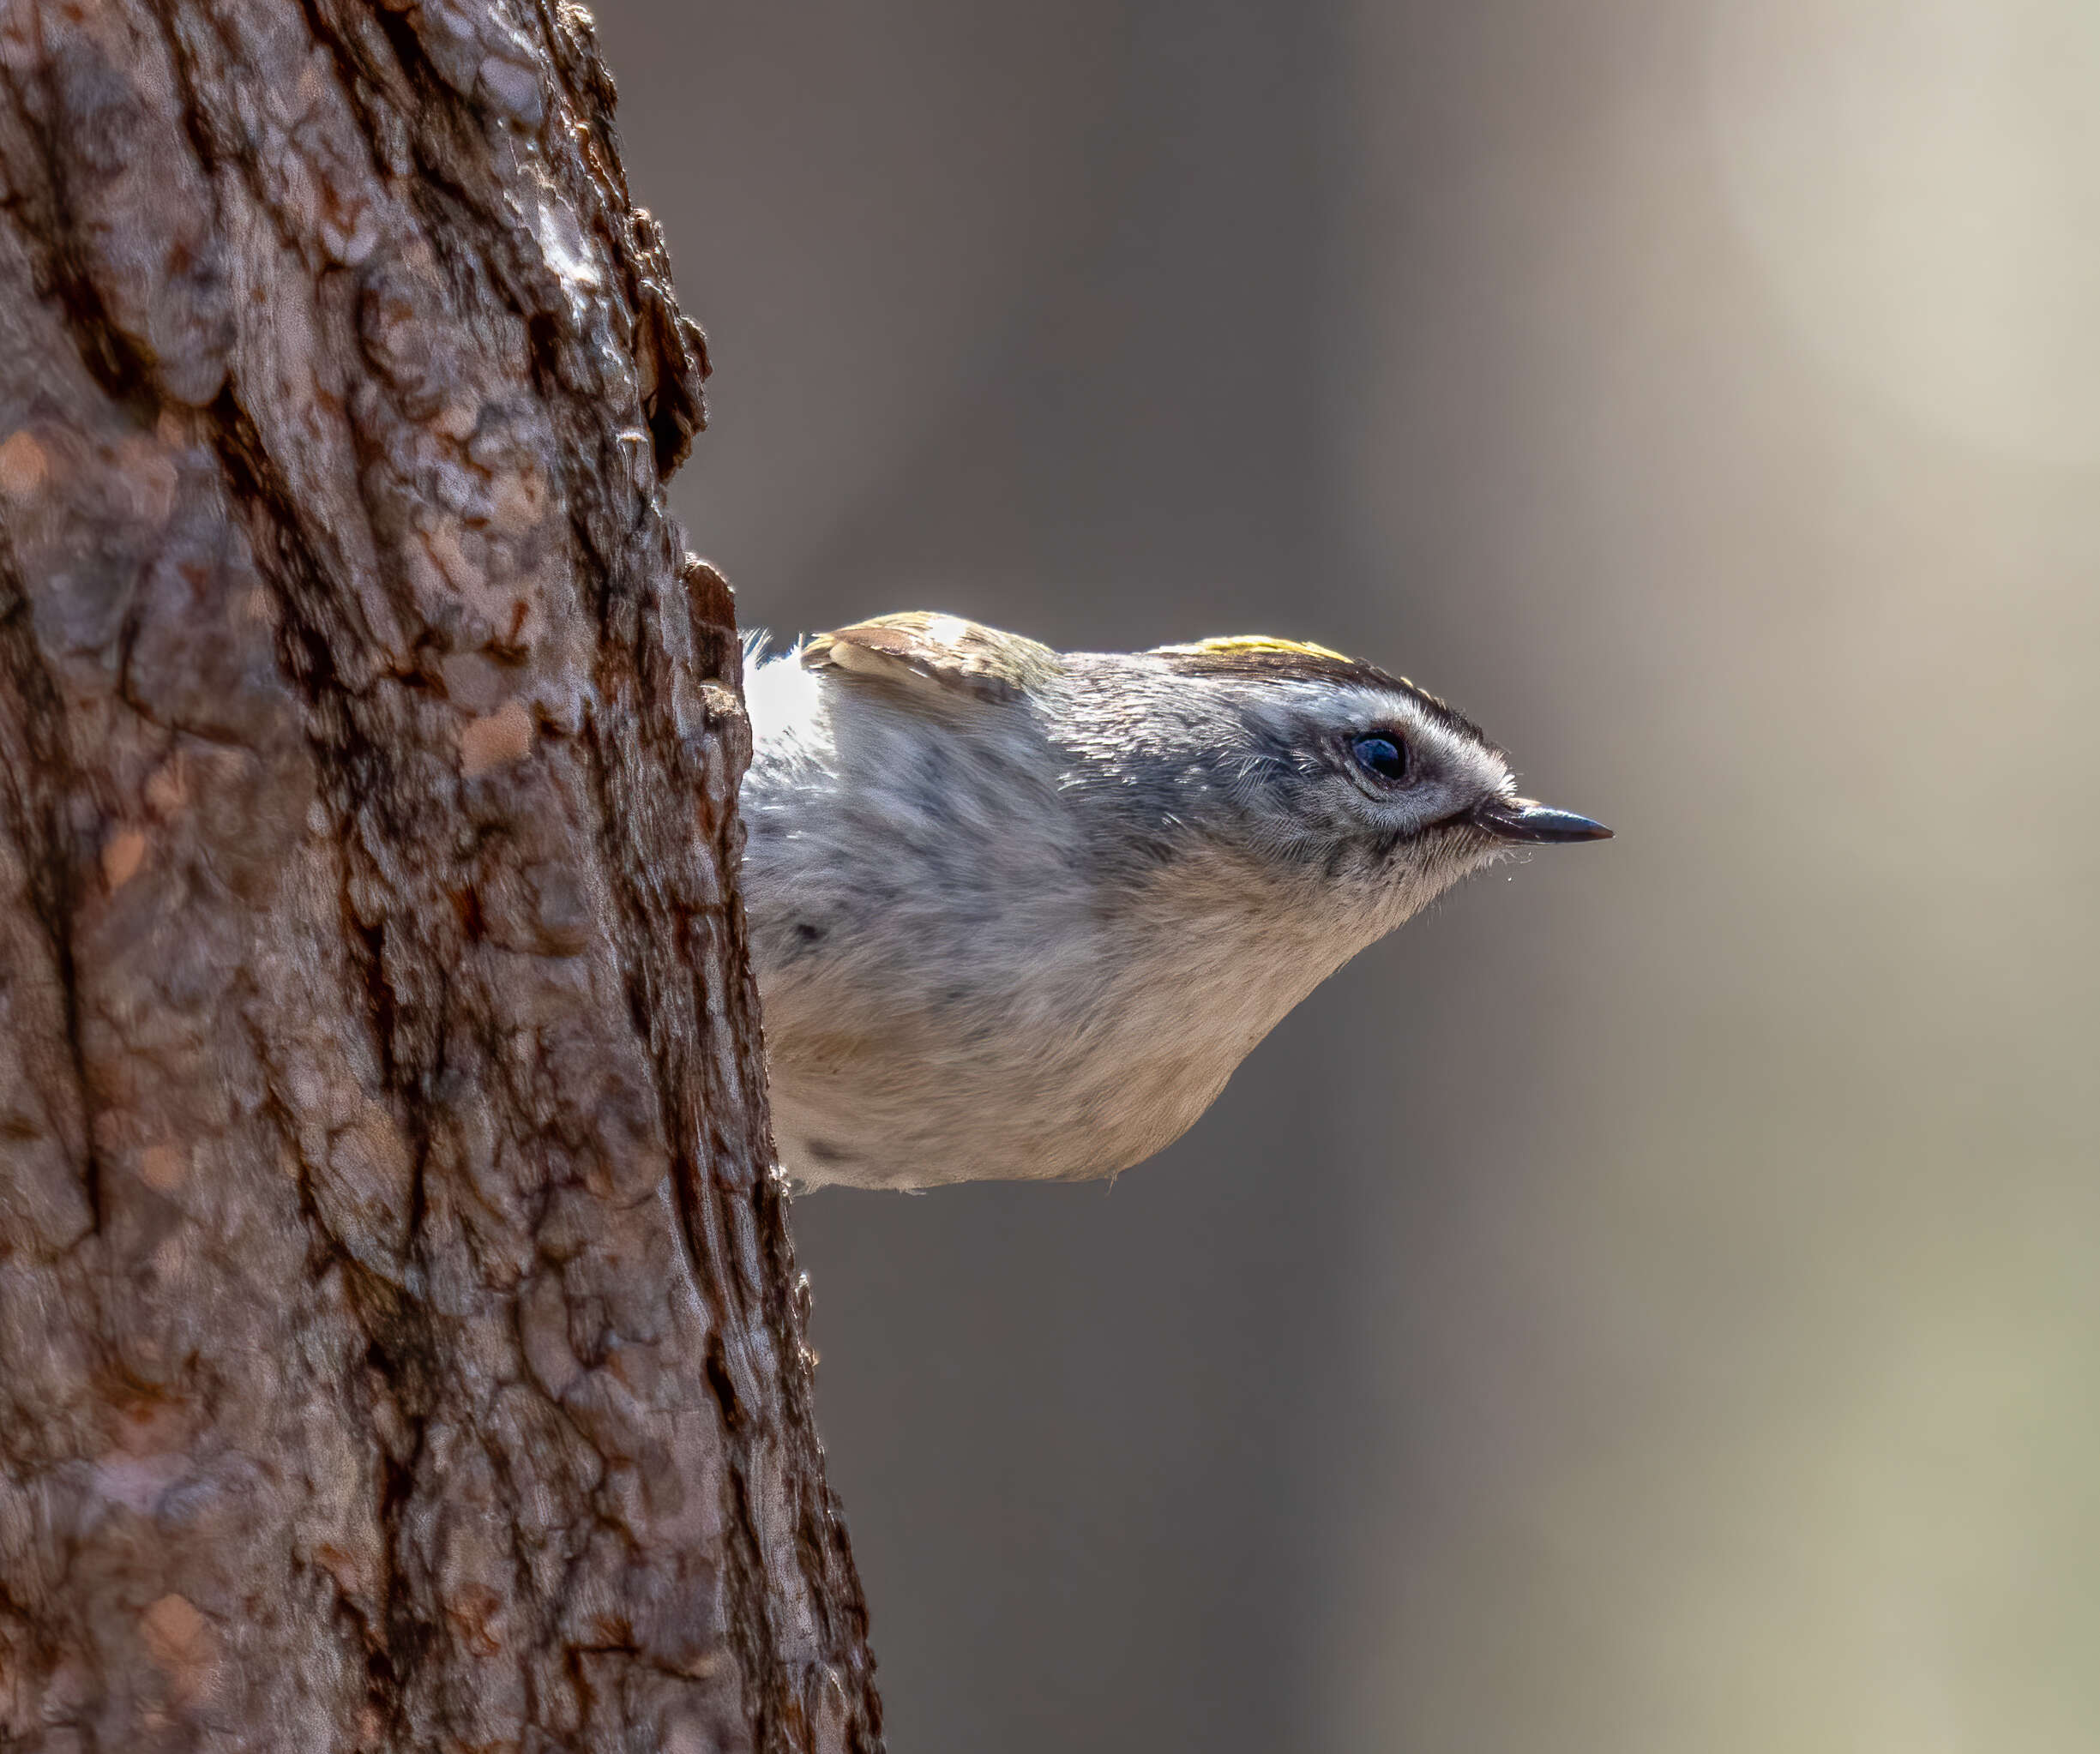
[1019, 913]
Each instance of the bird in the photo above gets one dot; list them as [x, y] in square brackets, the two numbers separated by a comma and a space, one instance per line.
[1016, 913]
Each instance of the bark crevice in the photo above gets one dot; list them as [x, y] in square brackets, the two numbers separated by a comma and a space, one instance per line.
[38, 783]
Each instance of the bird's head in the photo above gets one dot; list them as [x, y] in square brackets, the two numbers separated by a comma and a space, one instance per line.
[1326, 775]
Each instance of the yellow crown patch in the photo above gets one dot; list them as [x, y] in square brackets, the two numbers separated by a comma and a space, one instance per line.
[1256, 645]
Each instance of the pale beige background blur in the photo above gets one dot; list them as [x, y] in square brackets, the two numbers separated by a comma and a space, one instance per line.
[1650, 1306]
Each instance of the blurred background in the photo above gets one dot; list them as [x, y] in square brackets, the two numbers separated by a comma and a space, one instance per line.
[1650, 1304]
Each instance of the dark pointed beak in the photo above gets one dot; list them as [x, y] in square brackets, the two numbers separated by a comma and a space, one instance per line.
[1520, 819]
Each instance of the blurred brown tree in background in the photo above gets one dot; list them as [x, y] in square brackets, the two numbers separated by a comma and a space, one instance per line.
[397, 1339]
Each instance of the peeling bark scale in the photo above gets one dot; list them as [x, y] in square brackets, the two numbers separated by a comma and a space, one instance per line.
[400, 1344]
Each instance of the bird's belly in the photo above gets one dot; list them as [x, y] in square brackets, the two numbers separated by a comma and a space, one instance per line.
[864, 1130]
[906, 1102]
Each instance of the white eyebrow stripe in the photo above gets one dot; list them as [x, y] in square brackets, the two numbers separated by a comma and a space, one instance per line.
[1367, 708]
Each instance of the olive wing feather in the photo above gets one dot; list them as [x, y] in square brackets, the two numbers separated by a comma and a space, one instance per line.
[917, 649]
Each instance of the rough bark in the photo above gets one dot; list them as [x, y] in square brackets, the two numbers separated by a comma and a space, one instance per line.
[398, 1346]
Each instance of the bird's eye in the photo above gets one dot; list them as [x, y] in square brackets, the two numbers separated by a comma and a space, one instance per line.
[1380, 754]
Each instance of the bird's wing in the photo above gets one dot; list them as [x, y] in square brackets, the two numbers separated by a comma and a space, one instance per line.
[920, 650]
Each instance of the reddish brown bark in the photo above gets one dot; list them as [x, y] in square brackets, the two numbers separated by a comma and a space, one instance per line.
[397, 1343]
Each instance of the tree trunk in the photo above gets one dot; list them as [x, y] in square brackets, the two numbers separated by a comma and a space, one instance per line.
[398, 1340]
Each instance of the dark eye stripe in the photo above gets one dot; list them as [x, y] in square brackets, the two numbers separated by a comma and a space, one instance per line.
[1380, 754]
